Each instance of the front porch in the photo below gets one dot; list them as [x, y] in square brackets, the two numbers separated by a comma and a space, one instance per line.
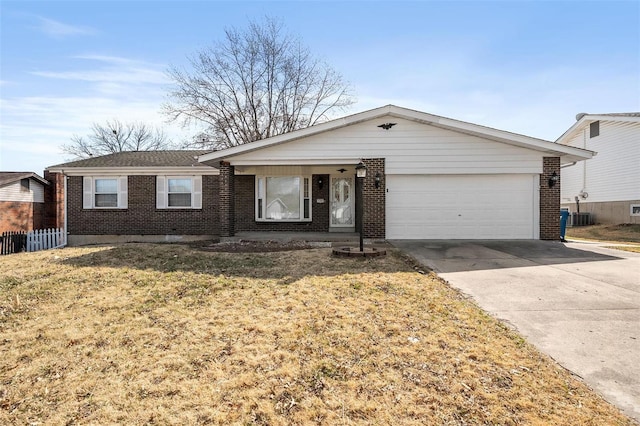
[310, 202]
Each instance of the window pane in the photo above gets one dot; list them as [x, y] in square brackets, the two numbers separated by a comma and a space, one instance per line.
[107, 186]
[283, 198]
[179, 185]
[106, 200]
[179, 200]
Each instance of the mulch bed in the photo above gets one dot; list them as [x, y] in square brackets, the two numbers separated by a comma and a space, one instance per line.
[259, 246]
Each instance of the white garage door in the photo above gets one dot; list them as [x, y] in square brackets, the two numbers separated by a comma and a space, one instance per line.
[462, 206]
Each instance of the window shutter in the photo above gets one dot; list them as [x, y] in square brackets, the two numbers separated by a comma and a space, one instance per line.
[87, 193]
[122, 192]
[161, 192]
[197, 192]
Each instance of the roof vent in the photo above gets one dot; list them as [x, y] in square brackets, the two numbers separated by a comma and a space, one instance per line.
[580, 115]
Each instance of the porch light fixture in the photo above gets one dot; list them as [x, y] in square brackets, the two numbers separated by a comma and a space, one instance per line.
[320, 182]
[342, 170]
[377, 180]
[387, 126]
[361, 173]
[553, 180]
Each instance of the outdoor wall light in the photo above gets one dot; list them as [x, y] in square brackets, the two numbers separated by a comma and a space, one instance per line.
[553, 180]
[377, 180]
[361, 170]
[320, 182]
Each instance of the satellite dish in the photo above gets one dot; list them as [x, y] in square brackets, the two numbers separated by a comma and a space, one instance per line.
[580, 115]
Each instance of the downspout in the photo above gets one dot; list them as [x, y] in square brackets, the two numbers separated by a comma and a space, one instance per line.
[584, 165]
[569, 165]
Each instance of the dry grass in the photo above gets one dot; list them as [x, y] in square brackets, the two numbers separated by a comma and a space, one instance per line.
[632, 249]
[629, 233]
[165, 334]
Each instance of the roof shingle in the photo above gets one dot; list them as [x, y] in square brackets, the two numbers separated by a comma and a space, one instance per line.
[9, 177]
[177, 158]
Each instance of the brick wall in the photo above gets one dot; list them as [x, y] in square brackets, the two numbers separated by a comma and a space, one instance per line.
[141, 217]
[54, 200]
[374, 199]
[549, 200]
[245, 208]
[21, 216]
[227, 200]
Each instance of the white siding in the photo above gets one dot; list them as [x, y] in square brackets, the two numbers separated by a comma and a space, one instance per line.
[409, 148]
[15, 192]
[614, 173]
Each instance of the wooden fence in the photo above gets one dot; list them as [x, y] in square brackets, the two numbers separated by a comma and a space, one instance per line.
[13, 242]
[41, 239]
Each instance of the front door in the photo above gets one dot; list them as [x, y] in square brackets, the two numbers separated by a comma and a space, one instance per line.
[342, 203]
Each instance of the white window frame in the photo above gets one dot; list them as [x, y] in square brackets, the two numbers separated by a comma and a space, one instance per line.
[305, 194]
[162, 192]
[634, 207]
[89, 193]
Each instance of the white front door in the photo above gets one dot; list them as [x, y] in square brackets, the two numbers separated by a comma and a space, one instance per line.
[342, 194]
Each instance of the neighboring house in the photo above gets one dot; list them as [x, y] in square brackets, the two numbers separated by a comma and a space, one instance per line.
[608, 186]
[428, 177]
[22, 205]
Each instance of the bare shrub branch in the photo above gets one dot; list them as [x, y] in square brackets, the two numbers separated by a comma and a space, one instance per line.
[115, 136]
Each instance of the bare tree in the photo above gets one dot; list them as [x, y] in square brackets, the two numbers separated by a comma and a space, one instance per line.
[115, 136]
[256, 83]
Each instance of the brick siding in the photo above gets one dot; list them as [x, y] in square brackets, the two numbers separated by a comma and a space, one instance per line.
[549, 200]
[245, 208]
[141, 217]
[21, 216]
[227, 200]
[374, 219]
[54, 200]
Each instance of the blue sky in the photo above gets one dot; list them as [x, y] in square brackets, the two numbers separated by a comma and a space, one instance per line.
[523, 66]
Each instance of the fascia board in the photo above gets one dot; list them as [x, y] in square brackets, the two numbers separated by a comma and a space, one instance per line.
[392, 110]
[135, 171]
[301, 162]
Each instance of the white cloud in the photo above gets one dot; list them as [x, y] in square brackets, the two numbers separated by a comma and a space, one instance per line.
[112, 70]
[57, 29]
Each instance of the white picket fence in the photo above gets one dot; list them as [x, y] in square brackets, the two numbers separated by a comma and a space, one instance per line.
[44, 239]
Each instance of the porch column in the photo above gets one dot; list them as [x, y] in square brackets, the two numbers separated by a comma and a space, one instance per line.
[227, 200]
[374, 199]
[549, 200]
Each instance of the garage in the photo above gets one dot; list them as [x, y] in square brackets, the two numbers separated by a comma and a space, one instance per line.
[498, 206]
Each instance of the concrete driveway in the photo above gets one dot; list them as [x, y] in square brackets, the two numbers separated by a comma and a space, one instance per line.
[577, 302]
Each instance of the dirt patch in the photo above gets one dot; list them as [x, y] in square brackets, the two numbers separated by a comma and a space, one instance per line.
[260, 246]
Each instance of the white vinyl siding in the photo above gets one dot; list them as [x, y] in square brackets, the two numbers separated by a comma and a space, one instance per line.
[16, 192]
[614, 173]
[179, 192]
[409, 148]
[96, 191]
[462, 207]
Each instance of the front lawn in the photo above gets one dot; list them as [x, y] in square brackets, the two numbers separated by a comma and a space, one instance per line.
[168, 334]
